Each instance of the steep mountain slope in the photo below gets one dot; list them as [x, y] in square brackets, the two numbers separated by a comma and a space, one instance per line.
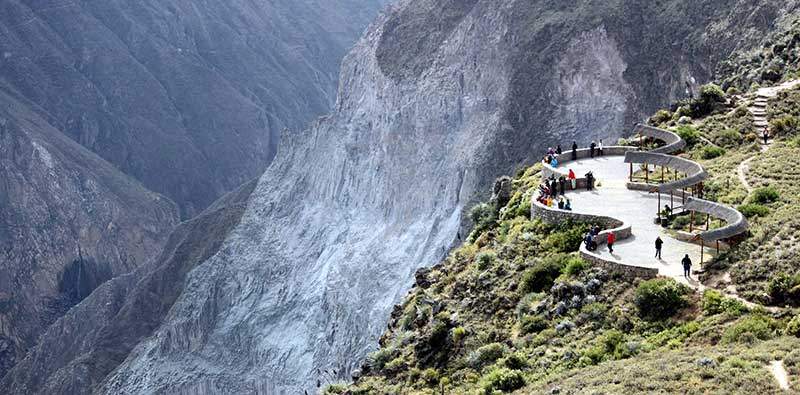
[69, 222]
[186, 97]
[436, 100]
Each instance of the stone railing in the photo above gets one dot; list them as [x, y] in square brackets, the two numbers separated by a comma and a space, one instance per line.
[736, 223]
[674, 143]
[695, 173]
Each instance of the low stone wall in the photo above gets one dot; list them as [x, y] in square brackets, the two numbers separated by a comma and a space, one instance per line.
[674, 143]
[552, 215]
[695, 173]
[628, 271]
[736, 222]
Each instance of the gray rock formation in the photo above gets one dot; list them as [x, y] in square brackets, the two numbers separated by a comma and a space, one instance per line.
[438, 99]
[69, 221]
[187, 97]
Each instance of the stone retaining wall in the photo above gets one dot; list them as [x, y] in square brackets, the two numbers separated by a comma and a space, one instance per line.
[674, 143]
[628, 271]
[583, 153]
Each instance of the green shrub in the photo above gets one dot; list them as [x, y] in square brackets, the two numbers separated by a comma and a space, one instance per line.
[681, 222]
[715, 303]
[660, 117]
[484, 216]
[750, 328]
[783, 288]
[784, 125]
[516, 361]
[660, 298]
[503, 379]
[378, 359]
[430, 376]
[688, 134]
[610, 346]
[532, 324]
[765, 195]
[712, 93]
[564, 241]
[333, 389]
[459, 333]
[542, 275]
[727, 138]
[486, 355]
[484, 260]
[793, 327]
[753, 210]
[575, 266]
[712, 152]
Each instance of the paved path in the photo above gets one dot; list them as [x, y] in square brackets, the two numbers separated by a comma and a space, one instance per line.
[779, 372]
[637, 208]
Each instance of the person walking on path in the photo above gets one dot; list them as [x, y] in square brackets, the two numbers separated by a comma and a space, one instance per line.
[592, 146]
[600, 148]
[574, 150]
[659, 243]
[687, 266]
[766, 136]
[611, 240]
[572, 179]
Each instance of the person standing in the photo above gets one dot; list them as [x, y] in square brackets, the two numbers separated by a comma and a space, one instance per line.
[589, 181]
[562, 185]
[600, 147]
[592, 146]
[765, 134]
[574, 150]
[611, 240]
[687, 266]
[659, 243]
[572, 179]
[558, 149]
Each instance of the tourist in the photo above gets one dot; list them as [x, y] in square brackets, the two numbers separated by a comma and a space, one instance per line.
[568, 205]
[553, 186]
[572, 180]
[562, 183]
[554, 162]
[766, 136]
[592, 146]
[550, 151]
[597, 230]
[592, 230]
[587, 240]
[611, 239]
[561, 203]
[687, 266]
[589, 181]
[558, 149]
[574, 150]
[593, 244]
[600, 148]
[659, 243]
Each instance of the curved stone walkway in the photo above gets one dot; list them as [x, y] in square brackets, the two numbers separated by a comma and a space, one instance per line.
[638, 209]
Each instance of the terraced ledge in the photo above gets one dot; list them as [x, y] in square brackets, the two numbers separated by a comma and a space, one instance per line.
[583, 153]
[695, 173]
[736, 224]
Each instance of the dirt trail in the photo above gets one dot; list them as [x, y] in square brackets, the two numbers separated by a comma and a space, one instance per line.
[779, 372]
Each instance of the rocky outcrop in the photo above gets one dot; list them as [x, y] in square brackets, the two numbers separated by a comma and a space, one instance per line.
[81, 348]
[69, 221]
[437, 100]
[187, 97]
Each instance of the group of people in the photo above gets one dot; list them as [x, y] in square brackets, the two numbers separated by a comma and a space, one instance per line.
[551, 193]
[552, 156]
[590, 239]
[686, 262]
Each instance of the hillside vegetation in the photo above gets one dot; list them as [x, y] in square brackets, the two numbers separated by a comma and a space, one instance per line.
[516, 310]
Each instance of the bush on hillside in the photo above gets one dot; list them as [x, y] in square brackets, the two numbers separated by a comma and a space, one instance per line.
[532, 324]
[688, 134]
[660, 117]
[484, 260]
[753, 210]
[543, 274]
[784, 288]
[727, 138]
[793, 327]
[749, 329]
[484, 216]
[783, 126]
[715, 303]
[710, 152]
[765, 195]
[660, 298]
[486, 355]
[575, 266]
[503, 379]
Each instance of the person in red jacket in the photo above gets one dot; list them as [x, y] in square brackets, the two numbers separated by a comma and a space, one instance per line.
[611, 240]
[572, 179]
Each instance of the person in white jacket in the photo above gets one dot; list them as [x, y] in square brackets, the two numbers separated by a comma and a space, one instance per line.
[600, 148]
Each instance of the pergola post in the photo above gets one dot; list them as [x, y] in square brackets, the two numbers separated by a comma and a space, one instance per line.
[658, 209]
[630, 177]
[646, 173]
[717, 247]
[691, 221]
[702, 251]
[662, 174]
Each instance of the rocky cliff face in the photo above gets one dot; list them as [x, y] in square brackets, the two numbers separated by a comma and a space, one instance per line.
[186, 97]
[437, 99]
[69, 221]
